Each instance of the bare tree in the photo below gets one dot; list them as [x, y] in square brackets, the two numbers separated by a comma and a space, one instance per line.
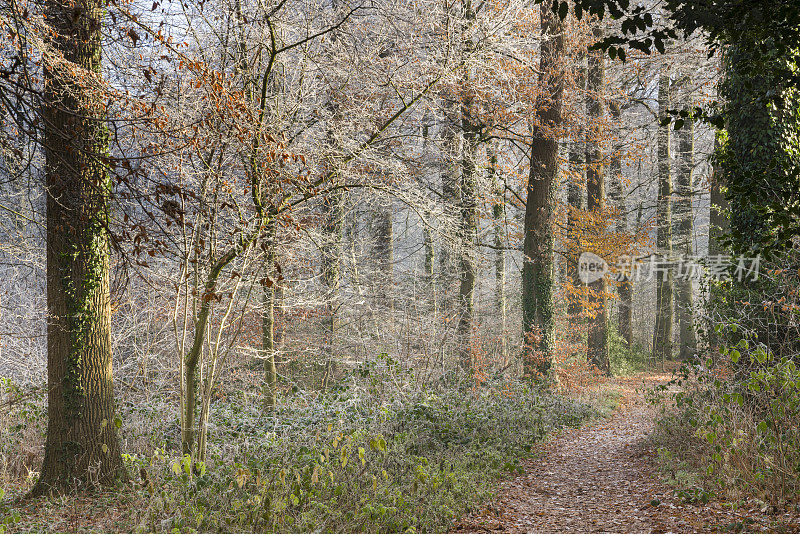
[684, 230]
[597, 344]
[662, 334]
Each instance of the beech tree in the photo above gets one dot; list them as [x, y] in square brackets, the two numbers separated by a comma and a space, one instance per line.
[596, 204]
[617, 197]
[662, 334]
[538, 325]
[684, 230]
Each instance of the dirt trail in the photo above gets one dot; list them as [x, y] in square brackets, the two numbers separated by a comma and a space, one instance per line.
[599, 478]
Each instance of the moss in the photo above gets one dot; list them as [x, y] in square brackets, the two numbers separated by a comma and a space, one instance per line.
[81, 314]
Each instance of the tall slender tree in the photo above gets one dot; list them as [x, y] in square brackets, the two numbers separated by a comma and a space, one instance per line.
[576, 197]
[498, 216]
[468, 186]
[384, 253]
[684, 230]
[269, 283]
[451, 198]
[616, 196]
[597, 344]
[662, 334]
[429, 258]
[330, 257]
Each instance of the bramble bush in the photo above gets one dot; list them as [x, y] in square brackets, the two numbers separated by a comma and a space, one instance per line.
[744, 418]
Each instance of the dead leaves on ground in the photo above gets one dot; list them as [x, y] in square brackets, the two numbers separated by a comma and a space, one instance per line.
[601, 479]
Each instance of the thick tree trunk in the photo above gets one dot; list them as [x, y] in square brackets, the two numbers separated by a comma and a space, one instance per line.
[662, 334]
[82, 443]
[684, 299]
[625, 287]
[597, 344]
[538, 325]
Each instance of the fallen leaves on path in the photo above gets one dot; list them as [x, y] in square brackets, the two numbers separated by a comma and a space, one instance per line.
[602, 478]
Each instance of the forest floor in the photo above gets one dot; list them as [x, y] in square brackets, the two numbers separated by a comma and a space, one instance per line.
[604, 477]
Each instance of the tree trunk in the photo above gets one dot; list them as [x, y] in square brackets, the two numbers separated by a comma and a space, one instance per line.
[718, 227]
[429, 258]
[450, 200]
[468, 187]
[538, 326]
[597, 344]
[717, 220]
[625, 287]
[684, 299]
[662, 334]
[499, 215]
[268, 286]
[428, 262]
[384, 255]
[576, 193]
[333, 215]
[469, 236]
[81, 443]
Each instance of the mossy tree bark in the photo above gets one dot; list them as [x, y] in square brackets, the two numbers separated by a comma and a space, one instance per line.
[538, 325]
[684, 228]
[468, 188]
[82, 444]
[662, 334]
[597, 343]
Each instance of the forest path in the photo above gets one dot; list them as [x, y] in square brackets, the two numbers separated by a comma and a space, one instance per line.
[598, 478]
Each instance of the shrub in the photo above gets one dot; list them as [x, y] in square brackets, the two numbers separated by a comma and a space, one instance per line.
[355, 462]
[748, 422]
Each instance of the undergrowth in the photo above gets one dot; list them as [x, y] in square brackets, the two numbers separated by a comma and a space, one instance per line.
[625, 360]
[363, 458]
[733, 433]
